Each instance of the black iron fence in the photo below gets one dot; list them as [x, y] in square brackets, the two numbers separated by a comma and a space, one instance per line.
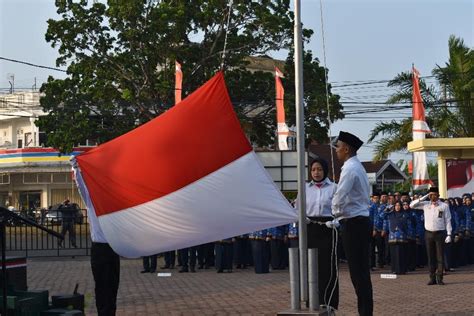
[29, 241]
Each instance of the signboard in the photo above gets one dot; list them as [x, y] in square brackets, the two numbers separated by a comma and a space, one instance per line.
[459, 176]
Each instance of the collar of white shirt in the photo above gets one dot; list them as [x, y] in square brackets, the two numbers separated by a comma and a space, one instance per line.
[324, 182]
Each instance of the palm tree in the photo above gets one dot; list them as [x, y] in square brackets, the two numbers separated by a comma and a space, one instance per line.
[450, 112]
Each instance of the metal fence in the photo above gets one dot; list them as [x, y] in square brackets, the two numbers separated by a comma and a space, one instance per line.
[29, 241]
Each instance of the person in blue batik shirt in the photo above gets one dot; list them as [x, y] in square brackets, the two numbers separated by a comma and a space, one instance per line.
[420, 238]
[277, 247]
[260, 251]
[373, 211]
[396, 224]
[377, 230]
[469, 233]
[411, 245]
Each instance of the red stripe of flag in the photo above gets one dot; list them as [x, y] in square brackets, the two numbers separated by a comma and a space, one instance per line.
[193, 139]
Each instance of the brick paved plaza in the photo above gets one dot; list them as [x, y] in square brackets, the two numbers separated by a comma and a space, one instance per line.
[245, 293]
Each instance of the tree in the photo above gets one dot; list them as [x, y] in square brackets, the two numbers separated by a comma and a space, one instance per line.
[450, 111]
[120, 62]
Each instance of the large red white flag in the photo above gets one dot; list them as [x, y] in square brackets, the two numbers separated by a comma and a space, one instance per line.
[282, 128]
[420, 128]
[185, 178]
[178, 83]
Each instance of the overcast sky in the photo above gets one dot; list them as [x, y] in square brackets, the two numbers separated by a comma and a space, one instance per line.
[365, 40]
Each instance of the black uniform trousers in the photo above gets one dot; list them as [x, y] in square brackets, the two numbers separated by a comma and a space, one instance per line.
[188, 256]
[435, 251]
[356, 234]
[149, 263]
[321, 237]
[68, 225]
[224, 255]
[170, 257]
[380, 244]
[261, 255]
[242, 251]
[105, 264]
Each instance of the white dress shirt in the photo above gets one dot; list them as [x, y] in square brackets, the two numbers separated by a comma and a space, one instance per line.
[437, 215]
[352, 195]
[318, 198]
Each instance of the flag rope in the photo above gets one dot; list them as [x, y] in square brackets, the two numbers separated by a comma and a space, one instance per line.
[226, 31]
[327, 88]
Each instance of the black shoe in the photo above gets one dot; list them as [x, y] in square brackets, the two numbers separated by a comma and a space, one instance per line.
[152, 271]
[439, 280]
[172, 266]
[145, 271]
[238, 266]
[183, 270]
[200, 267]
[193, 270]
[164, 267]
[432, 282]
[74, 245]
[220, 271]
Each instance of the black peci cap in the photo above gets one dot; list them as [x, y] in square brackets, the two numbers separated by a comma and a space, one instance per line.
[350, 140]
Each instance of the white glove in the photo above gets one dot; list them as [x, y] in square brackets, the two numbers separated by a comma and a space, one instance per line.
[332, 224]
[448, 239]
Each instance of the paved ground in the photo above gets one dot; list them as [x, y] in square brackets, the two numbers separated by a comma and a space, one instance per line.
[245, 293]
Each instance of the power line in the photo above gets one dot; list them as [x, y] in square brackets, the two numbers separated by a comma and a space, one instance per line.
[31, 64]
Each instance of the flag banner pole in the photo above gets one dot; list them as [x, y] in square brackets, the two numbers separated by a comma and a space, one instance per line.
[303, 247]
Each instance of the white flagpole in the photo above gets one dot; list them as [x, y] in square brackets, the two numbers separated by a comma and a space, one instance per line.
[303, 247]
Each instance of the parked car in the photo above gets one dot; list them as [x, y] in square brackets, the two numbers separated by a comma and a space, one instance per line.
[55, 215]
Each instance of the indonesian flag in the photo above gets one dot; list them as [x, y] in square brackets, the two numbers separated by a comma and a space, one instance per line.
[185, 178]
[420, 128]
[282, 128]
[178, 84]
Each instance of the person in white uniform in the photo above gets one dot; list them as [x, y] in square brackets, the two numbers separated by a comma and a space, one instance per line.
[319, 193]
[350, 206]
[437, 232]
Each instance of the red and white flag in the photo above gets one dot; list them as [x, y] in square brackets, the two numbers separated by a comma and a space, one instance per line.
[420, 178]
[178, 83]
[185, 178]
[282, 128]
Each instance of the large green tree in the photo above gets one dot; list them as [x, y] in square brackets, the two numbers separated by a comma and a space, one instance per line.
[120, 62]
[449, 106]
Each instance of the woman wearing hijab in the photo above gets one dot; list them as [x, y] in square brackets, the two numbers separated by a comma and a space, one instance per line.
[319, 193]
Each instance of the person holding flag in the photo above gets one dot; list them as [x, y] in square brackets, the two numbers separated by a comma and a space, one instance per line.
[350, 207]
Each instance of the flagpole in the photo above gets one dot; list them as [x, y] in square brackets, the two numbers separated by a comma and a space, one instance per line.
[303, 247]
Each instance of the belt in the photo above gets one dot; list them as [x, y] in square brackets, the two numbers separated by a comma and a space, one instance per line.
[355, 218]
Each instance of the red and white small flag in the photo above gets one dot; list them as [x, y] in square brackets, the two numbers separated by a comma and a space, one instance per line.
[420, 178]
[178, 84]
[185, 178]
[282, 129]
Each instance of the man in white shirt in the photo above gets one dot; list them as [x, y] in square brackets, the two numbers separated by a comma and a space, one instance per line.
[437, 232]
[350, 206]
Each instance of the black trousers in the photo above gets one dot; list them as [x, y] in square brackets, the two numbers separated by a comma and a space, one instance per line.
[261, 255]
[380, 244]
[435, 252]
[188, 256]
[224, 255]
[356, 234]
[149, 263]
[170, 257]
[321, 237]
[242, 251]
[411, 255]
[68, 226]
[105, 264]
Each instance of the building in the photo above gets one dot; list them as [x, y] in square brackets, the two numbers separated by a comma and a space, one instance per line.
[31, 175]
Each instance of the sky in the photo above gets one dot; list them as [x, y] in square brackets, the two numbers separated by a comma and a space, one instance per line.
[364, 40]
